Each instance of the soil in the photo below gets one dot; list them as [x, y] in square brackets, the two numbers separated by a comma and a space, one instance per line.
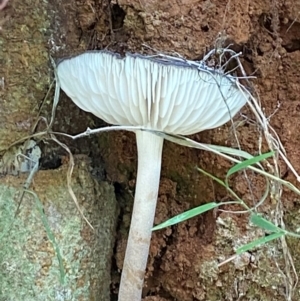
[186, 261]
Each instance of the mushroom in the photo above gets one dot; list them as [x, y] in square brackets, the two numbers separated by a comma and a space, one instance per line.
[155, 94]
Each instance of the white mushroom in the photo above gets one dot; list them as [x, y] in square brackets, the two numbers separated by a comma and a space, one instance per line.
[157, 95]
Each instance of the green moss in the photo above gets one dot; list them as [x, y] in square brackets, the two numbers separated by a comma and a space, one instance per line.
[24, 67]
[48, 252]
[29, 263]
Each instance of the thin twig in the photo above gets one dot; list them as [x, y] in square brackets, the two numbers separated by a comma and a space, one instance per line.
[27, 184]
[90, 132]
[69, 178]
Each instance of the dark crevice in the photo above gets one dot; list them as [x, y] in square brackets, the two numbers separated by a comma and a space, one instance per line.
[123, 198]
[259, 52]
[91, 27]
[118, 188]
[290, 34]
[205, 28]
[50, 162]
[51, 156]
[292, 45]
[117, 16]
[114, 275]
[266, 21]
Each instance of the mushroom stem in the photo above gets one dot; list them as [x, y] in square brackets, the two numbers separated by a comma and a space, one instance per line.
[147, 184]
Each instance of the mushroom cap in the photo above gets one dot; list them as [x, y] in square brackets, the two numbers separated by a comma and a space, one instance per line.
[147, 92]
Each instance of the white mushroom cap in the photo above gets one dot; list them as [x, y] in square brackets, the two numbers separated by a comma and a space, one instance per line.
[141, 91]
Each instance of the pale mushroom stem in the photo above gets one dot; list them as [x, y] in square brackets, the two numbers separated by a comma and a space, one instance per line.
[146, 192]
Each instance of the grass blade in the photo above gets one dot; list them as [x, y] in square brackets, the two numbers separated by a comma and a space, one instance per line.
[248, 162]
[212, 177]
[258, 242]
[186, 215]
[262, 223]
[51, 236]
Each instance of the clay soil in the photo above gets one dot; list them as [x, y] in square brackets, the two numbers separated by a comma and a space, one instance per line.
[184, 259]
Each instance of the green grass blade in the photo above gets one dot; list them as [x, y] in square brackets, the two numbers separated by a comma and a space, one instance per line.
[50, 236]
[212, 177]
[258, 242]
[217, 149]
[186, 215]
[248, 162]
[225, 185]
[224, 152]
[262, 223]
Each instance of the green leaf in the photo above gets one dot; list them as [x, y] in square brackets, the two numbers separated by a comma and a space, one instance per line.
[261, 222]
[248, 162]
[217, 149]
[259, 242]
[212, 177]
[186, 215]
